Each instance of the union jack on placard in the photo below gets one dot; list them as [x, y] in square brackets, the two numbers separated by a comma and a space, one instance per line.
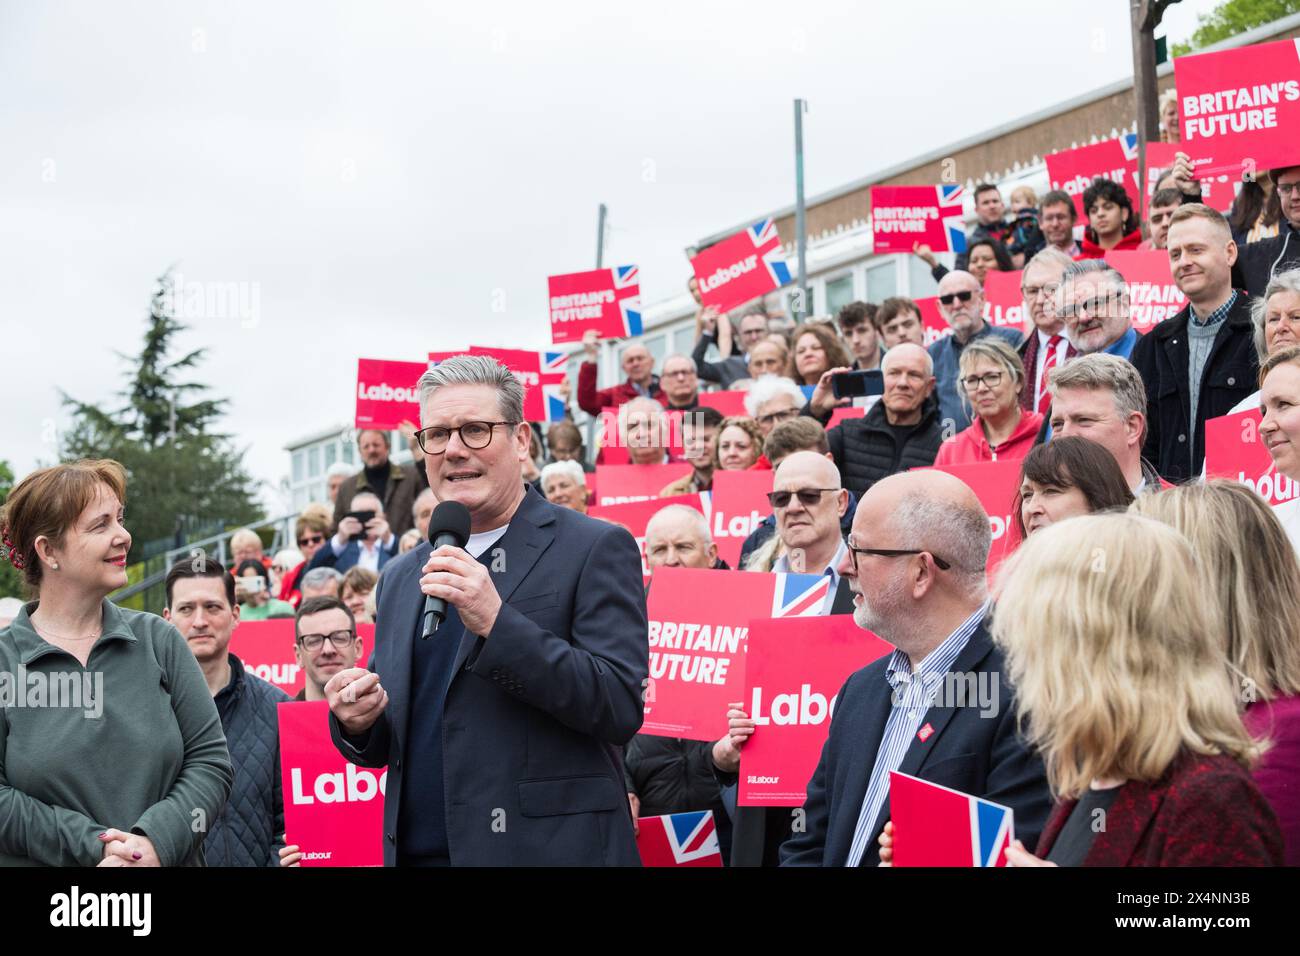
[679, 839]
[800, 595]
[950, 210]
[627, 292]
[764, 236]
[552, 372]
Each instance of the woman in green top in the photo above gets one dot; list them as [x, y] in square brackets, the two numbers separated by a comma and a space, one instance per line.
[111, 751]
[253, 589]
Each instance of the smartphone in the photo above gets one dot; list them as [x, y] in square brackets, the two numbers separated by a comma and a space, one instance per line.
[858, 384]
[363, 517]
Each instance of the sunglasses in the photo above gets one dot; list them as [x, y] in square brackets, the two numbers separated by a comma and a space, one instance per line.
[312, 539]
[807, 497]
[959, 296]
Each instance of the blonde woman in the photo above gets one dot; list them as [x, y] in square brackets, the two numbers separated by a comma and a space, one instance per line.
[991, 378]
[1121, 684]
[1248, 566]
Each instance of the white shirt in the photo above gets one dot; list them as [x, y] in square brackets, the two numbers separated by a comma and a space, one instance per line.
[369, 553]
[1043, 339]
[478, 543]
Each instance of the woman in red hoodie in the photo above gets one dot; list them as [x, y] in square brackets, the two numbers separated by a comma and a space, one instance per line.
[1112, 223]
[992, 377]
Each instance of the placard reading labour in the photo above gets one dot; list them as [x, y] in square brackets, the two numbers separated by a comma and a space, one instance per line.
[742, 267]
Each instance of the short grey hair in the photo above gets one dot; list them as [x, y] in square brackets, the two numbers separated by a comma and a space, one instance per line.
[696, 518]
[1099, 371]
[476, 370]
[1099, 268]
[426, 492]
[1288, 281]
[641, 401]
[929, 359]
[342, 469]
[1048, 256]
[570, 468]
[768, 387]
[959, 534]
[319, 577]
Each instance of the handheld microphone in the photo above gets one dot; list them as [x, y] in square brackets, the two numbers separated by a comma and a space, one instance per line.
[448, 525]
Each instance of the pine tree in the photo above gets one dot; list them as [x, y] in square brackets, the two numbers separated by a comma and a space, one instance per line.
[182, 474]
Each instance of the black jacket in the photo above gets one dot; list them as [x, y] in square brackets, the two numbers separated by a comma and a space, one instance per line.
[968, 750]
[1257, 262]
[730, 368]
[250, 828]
[1162, 357]
[867, 449]
[673, 775]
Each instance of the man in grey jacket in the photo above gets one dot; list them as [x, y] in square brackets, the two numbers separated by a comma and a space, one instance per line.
[249, 831]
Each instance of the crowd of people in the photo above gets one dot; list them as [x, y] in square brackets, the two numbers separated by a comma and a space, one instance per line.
[1144, 629]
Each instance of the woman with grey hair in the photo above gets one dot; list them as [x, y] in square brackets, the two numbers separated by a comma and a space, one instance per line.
[565, 484]
[1276, 317]
[991, 377]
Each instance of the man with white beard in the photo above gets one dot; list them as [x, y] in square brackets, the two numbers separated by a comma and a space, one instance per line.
[937, 708]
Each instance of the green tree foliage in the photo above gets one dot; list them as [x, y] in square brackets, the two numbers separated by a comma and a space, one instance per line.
[181, 473]
[11, 579]
[1233, 17]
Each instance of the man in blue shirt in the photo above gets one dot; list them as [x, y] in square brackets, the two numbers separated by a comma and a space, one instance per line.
[961, 300]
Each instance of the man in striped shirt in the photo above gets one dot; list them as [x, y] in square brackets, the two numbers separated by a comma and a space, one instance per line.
[938, 707]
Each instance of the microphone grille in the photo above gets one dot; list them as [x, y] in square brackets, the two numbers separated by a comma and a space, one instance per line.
[450, 517]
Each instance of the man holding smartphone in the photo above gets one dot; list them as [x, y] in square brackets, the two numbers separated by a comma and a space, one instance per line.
[363, 538]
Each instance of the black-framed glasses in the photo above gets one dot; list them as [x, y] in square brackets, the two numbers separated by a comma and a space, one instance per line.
[340, 639]
[894, 553]
[433, 440]
[959, 296]
[988, 380]
[1103, 305]
[807, 497]
[771, 418]
[313, 539]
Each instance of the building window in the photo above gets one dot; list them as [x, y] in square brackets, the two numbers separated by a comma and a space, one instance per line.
[655, 344]
[349, 453]
[920, 284]
[882, 281]
[791, 300]
[313, 461]
[297, 466]
[331, 454]
[839, 293]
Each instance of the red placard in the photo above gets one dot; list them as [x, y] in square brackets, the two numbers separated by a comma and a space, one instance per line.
[1217, 190]
[698, 623]
[937, 826]
[739, 504]
[1152, 295]
[1003, 303]
[933, 324]
[635, 515]
[727, 403]
[265, 648]
[995, 484]
[607, 300]
[848, 411]
[1074, 169]
[540, 373]
[1235, 450]
[386, 392]
[742, 267]
[902, 216]
[620, 484]
[793, 671]
[333, 810]
[1242, 106]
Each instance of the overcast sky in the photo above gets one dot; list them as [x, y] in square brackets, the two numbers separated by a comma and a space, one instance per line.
[373, 174]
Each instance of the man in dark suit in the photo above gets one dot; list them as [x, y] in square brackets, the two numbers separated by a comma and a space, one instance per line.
[938, 707]
[502, 733]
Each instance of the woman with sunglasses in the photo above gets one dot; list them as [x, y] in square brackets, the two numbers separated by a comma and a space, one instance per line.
[992, 377]
[310, 531]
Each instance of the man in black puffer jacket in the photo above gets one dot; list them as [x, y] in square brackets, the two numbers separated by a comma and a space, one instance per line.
[899, 432]
[249, 831]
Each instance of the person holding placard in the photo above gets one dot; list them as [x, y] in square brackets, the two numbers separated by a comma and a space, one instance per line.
[1111, 643]
[1262, 260]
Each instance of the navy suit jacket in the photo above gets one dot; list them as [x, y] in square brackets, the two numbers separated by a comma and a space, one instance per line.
[347, 559]
[984, 756]
[537, 711]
